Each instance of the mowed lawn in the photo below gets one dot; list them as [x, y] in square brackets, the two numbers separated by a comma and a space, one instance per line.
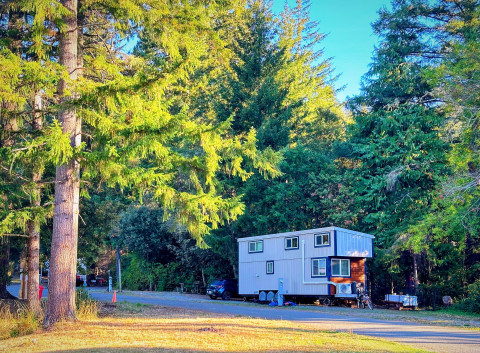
[140, 328]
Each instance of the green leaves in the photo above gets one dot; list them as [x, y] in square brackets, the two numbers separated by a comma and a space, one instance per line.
[59, 150]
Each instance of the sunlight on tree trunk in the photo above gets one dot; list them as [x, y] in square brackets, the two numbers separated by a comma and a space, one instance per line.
[61, 296]
[33, 301]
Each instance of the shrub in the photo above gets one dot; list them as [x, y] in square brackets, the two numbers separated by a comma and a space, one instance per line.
[140, 274]
[472, 302]
[7, 321]
[26, 323]
[16, 320]
[87, 307]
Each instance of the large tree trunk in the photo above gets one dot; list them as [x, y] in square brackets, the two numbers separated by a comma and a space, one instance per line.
[63, 260]
[33, 301]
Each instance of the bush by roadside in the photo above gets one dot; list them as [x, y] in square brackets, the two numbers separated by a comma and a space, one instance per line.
[87, 307]
[16, 320]
[472, 302]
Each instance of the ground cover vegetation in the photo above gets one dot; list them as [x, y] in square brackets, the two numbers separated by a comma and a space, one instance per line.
[130, 328]
[171, 129]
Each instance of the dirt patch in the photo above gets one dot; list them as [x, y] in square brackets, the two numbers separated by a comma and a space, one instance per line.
[208, 329]
[125, 309]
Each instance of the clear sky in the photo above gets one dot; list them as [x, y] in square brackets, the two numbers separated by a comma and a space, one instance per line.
[350, 39]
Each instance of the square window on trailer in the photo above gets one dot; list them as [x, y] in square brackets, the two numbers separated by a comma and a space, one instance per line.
[319, 267]
[322, 239]
[341, 267]
[291, 243]
[255, 246]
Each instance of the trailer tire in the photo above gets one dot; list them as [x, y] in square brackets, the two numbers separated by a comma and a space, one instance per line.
[326, 301]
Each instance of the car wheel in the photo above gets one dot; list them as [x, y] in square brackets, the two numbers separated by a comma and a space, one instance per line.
[226, 295]
[213, 297]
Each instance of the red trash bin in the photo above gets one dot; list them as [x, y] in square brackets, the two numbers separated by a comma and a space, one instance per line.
[40, 291]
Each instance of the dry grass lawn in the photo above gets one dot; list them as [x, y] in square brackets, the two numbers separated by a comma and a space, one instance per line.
[132, 328]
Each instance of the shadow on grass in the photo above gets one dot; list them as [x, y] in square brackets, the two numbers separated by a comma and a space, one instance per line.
[193, 326]
[164, 350]
[410, 337]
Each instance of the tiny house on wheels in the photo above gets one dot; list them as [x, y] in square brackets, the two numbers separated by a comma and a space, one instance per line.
[326, 263]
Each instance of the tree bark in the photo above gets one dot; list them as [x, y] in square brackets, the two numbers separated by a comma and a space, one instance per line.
[33, 301]
[415, 273]
[63, 260]
[23, 272]
[203, 279]
[119, 269]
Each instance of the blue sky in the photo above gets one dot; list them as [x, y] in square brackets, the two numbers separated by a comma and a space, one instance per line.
[350, 39]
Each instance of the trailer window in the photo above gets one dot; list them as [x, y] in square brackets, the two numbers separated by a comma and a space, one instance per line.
[322, 239]
[319, 267]
[270, 267]
[291, 243]
[255, 246]
[341, 267]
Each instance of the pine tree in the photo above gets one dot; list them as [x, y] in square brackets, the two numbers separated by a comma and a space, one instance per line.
[25, 84]
[397, 151]
[280, 85]
[121, 104]
[315, 116]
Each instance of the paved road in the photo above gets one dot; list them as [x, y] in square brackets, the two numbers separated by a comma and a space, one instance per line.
[434, 338]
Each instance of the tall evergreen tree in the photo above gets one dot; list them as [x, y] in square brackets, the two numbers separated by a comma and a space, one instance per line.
[120, 104]
[280, 84]
[397, 151]
[26, 87]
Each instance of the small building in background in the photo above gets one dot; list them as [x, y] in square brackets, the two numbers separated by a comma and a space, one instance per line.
[322, 262]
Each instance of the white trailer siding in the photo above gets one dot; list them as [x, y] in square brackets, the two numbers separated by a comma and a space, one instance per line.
[287, 264]
[353, 244]
[252, 285]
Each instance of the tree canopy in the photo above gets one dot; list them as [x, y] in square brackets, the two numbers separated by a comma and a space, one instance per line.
[153, 128]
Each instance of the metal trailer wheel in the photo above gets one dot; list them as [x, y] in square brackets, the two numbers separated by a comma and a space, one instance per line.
[326, 301]
[270, 296]
[262, 296]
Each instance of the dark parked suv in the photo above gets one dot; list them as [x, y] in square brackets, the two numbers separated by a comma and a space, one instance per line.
[224, 288]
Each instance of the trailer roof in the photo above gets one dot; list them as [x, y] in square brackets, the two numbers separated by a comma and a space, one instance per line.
[303, 232]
